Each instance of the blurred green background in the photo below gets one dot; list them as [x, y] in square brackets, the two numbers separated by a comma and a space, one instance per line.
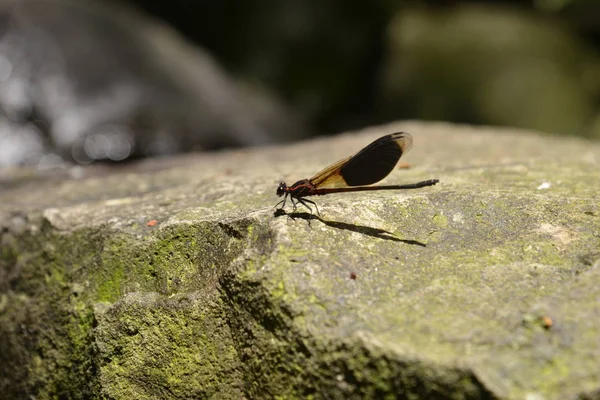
[83, 81]
[342, 64]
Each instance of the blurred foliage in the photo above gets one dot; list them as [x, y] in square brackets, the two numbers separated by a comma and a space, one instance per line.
[527, 63]
[501, 67]
[90, 80]
[321, 56]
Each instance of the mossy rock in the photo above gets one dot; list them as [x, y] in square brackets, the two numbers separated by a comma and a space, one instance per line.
[175, 279]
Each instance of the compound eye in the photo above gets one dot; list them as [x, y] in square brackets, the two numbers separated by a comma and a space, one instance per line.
[281, 189]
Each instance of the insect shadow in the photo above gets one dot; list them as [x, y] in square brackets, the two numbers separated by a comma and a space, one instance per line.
[363, 229]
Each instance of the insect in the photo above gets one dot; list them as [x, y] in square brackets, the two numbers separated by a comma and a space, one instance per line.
[354, 173]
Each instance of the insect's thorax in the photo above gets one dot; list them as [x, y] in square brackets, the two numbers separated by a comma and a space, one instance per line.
[302, 188]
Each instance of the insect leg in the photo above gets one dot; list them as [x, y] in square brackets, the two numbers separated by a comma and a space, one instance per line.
[303, 201]
[313, 203]
[282, 201]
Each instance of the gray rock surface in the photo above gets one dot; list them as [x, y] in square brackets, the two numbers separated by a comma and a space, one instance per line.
[174, 279]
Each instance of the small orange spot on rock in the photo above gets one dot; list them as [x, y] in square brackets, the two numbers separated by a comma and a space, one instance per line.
[152, 222]
[547, 322]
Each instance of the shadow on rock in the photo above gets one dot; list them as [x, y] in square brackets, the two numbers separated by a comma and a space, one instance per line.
[365, 230]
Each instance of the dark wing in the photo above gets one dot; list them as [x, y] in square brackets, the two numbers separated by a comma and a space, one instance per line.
[368, 166]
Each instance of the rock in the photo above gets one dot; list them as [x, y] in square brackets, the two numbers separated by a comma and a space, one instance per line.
[87, 81]
[174, 279]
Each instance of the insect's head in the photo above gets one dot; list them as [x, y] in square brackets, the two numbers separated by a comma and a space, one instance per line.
[281, 189]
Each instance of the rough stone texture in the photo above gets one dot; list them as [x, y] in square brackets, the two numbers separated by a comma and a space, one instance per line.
[485, 286]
